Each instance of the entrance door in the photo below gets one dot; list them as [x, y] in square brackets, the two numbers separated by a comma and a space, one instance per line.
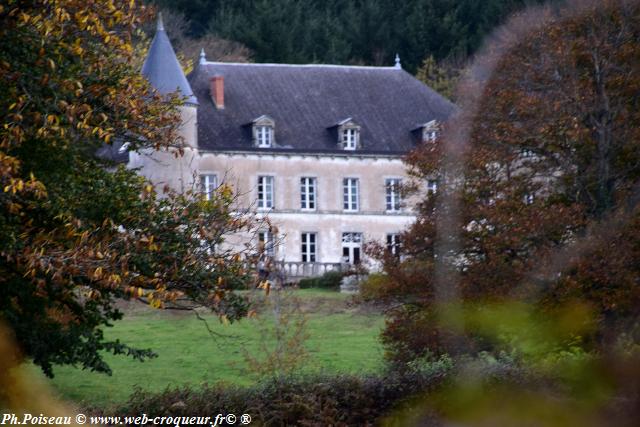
[351, 247]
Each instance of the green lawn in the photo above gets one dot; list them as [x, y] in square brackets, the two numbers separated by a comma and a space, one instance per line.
[342, 339]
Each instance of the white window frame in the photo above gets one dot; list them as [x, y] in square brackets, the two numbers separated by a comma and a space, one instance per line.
[432, 186]
[208, 184]
[430, 132]
[308, 193]
[264, 136]
[267, 243]
[393, 197]
[352, 244]
[349, 138]
[529, 198]
[266, 191]
[309, 247]
[430, 135]
[351, 194]
[393, 244]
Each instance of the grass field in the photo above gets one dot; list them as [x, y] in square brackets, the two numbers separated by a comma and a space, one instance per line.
[341, 339]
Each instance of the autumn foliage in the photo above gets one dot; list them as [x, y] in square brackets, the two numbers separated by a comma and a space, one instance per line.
[538, 195]
[76, 233]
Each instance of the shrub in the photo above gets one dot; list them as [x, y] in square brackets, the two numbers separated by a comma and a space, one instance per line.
[371, 287]
[329, 280]
[300, 400]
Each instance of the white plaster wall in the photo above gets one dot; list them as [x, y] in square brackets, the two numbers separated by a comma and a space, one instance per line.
[164, 168]
[329, 220]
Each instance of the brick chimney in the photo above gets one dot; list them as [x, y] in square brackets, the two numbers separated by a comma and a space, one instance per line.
[216, 88]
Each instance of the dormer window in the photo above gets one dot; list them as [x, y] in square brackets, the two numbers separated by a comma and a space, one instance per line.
[263, 132]
[348, 135]
[429, 135]
[349, 139]
[430, 131]
[427, 132]
[264, 136]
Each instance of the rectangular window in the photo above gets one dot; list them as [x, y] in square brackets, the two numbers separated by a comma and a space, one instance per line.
[429, 134]
[349, 139]
[308, 248]
[350, 200]
[265, 192]
[264, 136]
[351, 247]
[393, 197]
[393, 244]
[208, 184]
[266, 243]
[308, 193]
[432, 186]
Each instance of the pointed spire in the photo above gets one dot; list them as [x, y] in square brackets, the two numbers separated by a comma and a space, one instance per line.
[203, 57]
[398, 65]
[162, 69]
[160, 24]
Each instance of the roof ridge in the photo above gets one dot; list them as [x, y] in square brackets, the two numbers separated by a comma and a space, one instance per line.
[271, 64]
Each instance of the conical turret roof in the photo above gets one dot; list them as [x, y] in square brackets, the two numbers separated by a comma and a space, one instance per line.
[162, 68]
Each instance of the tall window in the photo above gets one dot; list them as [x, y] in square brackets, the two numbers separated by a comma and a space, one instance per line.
[349, 138]
[350, 194]
[529, 198]
[208, 184]
[393, 197]
[432, 186]
[393, 244]
[308, 249]
[430, 131]
[265, 192]
[308, 193]
[264, 136]
[266, 243]
[351, 247]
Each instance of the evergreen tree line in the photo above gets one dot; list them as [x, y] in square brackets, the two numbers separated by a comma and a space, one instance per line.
[367, 32]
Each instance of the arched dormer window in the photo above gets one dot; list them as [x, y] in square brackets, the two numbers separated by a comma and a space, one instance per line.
[348, 135]
[263, 132]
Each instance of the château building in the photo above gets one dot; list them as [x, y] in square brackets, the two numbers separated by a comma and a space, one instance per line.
[317, 148]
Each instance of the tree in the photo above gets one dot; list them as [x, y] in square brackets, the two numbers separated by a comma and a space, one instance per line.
[348, 32]
[546, 196]
[188, 48]
[77, 233]
[441, 78]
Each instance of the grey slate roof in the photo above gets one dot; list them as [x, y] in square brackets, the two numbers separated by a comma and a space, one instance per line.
[306, 101]
[162, 69]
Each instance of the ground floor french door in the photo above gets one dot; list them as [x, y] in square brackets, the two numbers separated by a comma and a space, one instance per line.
[351, 247]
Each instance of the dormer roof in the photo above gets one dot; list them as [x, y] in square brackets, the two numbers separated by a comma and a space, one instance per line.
[162, 69]
[262, 118]
[344, 122]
